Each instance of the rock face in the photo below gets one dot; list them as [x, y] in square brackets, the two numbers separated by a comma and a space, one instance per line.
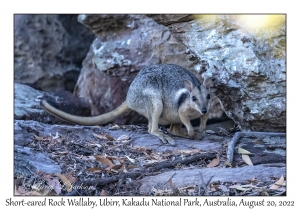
[27, 161]
[124, 45]
[48, 50]
[248, 63]
[260, 172]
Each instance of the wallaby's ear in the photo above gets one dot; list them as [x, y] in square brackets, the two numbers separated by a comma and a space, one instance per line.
[208, 83]
[189, 85]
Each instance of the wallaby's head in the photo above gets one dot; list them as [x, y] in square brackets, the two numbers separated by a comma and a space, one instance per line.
[199, 95]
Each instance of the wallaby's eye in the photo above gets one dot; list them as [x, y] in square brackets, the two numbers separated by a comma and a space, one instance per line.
[194, 98]
[208, 96]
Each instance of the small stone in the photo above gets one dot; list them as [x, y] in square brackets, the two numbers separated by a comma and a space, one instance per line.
[210, 132]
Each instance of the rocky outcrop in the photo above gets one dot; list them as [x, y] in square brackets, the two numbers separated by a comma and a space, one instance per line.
[124, 45]
[48, 50]
[248, 64]
[27, 104]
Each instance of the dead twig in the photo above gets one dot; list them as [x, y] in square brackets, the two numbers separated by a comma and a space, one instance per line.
[175, 190]
[203, 184]
[170, 178]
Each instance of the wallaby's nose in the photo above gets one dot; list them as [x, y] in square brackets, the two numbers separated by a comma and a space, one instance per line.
[204, 110]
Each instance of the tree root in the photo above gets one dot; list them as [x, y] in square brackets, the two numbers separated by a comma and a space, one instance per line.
[238, 135]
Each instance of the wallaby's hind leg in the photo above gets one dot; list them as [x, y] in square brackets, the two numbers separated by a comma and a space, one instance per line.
[157, 108]
[203, 120]
[176, 130]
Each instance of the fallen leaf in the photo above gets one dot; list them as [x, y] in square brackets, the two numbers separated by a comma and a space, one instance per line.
[238, 187]
[37, 137]
[55, 185]
[244, 152]
[70, 177]
[223, 188]
[115, 167]
[99, 136]
[130, 159]
[213, 189]
[210, 132]
[174, 189]
[63, 152]
[95, 145]
[17, 191]
[46, 138]
[21, 190]
[123, 169]
[131, 166]
[115, 158]
[214, 162]
[66, 182]
[228, 164]
[31, 193]
[188, 152]
[117, 149]
[56, 136]
[113, 170]
[191, 190]
[91, 158]
[123, 137]
[94, 170]
[52, 143]
[104, 160]
[155, 157]
[257, 142]
[247, 160]
[278, 184]
[114, 127]
[109, 137]
[103, 193]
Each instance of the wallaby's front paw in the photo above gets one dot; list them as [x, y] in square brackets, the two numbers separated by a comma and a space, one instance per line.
[193, 135]
[201, 129]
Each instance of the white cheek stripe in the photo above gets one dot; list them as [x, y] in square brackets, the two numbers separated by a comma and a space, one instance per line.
[180, 92]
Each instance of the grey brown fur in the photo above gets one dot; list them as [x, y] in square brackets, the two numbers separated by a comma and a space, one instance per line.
[164, 94]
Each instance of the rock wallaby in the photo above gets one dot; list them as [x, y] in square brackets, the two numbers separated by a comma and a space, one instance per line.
[165, 94]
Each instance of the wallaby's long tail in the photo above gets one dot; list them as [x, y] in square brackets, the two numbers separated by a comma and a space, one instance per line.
[96, 120]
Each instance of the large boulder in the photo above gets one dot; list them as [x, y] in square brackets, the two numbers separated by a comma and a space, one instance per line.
[247, 61]
[124, 44]
[48, 50]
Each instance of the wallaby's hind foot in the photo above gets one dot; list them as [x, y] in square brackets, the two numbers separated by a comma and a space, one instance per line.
[176, 130]
[165, 138]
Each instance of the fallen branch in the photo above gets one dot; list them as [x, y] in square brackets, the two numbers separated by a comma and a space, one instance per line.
[166, 164]
[203, 184]
[238, 135]
[171, 163]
